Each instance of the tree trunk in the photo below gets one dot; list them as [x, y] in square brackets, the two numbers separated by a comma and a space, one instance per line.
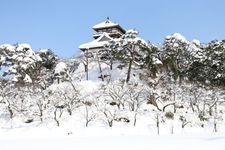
[157, 123]
[40, 110]
[191, 104]
[87, 116]
[152, 100]
[130, 64]
[100, 69]
[41, 115]
[174, 99]
[69, 110]
[135, 118]
[86, 66]
[172, 129]
[111, 64]
[110, 122]
[9, 109]
[129, 70]
[86, 124]
[10, 112]
[215, 118]
[55, 117]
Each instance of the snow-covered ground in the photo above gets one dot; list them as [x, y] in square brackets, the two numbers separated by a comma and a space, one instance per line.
[72, 135]
[106, 139]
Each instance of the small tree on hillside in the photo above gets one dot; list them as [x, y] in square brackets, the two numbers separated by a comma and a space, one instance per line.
[128, 50]
[21, 62]
[176, 55]
[136, 96]
[61, 72]
[7, 93]
[45, 74]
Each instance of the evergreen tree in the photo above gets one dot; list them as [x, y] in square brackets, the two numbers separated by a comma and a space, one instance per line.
[49, 59]
[176, 55]
[45, 74]
[215, 53]
[152, 61]
[197, 70]
[20, 62]
[128, 50]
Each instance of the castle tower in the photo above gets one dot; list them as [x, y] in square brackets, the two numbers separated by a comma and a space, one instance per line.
[114, 30]
[103, 33]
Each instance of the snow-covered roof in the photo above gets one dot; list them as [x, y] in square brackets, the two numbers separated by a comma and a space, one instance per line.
[99, 42]
[105, 24]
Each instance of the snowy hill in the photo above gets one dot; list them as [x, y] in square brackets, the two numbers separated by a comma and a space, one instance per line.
[123, 97]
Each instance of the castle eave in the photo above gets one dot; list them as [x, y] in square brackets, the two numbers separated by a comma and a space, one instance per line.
[98, 43]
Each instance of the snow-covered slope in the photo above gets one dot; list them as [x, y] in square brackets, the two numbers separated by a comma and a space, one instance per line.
[106, 112]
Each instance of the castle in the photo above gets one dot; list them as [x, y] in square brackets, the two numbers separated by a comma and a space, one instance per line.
[104, 32]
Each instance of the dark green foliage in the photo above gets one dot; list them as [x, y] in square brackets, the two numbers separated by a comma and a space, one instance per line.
[197, 72]
[210, 70]
[198, 63]
[176, 55]
[49, 59]
[152, 59]
[130, 50]
[169, 115]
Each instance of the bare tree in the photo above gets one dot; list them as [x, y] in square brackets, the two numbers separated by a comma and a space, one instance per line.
[6, 95]
[58, 110]
[115, 94]
[135, 98]
[42, 103]
[89, 114]
[109, 112]
[72, 101]
[57, 104]
[184, 121]
[110, 116]
[6, 100]
[21, 103]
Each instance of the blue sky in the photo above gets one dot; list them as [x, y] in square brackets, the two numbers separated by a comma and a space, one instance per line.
[63, 25]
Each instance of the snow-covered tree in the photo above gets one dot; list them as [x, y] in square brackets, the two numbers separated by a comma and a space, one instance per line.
[128, 50]
[61, 72]
[115, 94]
[208, 61]
[152, 60]
[215, 53]
[7, 92]
[49, 59]
[45, 74]
[20, 62]
[198, 57]
[136, 96]
[176, 55]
